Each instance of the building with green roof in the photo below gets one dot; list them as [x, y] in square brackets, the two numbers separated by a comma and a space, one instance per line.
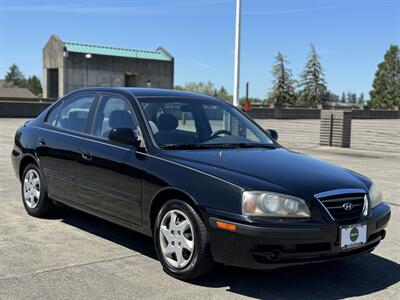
[69, 65]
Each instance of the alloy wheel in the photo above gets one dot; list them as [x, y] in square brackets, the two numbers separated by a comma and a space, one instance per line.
[31, 188]
[176, 238]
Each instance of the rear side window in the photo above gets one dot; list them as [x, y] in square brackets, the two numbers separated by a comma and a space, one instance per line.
[75, 112]
[53, 115]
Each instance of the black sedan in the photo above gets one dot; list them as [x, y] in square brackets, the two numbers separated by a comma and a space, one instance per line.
[199, 176]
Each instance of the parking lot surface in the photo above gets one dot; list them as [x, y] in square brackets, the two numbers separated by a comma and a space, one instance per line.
[72, 255]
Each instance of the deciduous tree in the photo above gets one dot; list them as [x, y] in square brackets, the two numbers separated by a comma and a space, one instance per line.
[207, 88]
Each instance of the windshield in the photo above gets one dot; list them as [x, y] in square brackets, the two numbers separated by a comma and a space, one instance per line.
[200, 123]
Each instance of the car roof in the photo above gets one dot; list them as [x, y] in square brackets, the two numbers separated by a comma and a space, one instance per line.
[149, 92]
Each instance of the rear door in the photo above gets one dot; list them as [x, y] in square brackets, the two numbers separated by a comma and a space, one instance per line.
[109, 175]
[58, 142]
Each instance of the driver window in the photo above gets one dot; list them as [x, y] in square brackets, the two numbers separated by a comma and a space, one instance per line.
[113, 112]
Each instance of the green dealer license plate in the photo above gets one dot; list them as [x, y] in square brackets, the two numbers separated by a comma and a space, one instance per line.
[353, 235]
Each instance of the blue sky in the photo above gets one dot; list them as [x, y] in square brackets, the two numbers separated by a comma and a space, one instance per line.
[351, 36]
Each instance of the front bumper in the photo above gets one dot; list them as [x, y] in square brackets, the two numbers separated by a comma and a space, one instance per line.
[267, 247]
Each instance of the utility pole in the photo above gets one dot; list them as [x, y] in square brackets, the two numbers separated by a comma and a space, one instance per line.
[237, 56]
[247, 91]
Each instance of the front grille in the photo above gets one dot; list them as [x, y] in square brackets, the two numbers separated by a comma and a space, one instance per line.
[336, 206]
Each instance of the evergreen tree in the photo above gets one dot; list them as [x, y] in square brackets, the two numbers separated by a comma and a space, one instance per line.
[361, 98]
[343, 98]
[282, 92]
[15, 77]
[34, 85]
[348, 96]
[332, 97]
[385, 91]
[312, 83]
[353, 98]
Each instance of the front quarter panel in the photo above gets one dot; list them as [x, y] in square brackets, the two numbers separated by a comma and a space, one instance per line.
[206, 190]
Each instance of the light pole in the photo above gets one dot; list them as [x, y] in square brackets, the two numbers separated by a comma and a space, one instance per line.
[237, 56]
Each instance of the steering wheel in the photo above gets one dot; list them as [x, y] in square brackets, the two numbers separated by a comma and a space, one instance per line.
[218, 132]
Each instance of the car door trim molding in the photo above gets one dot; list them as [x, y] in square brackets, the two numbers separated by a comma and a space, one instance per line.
[58, 175]
[90, 185]
[89, 138]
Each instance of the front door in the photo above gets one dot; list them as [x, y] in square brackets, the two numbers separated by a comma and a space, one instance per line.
[109, 176]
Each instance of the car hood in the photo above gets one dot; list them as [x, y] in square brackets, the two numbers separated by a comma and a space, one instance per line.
[278, 170]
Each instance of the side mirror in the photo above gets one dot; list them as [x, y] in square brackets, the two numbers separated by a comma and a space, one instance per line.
[124, 136]
[273, 133]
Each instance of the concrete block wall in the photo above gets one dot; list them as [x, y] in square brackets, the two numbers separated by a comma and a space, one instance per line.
[284, 113]
[256, 113]
[315, 113]
[19, 109]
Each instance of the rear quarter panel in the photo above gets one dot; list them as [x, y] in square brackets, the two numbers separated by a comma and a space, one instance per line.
[24, 145]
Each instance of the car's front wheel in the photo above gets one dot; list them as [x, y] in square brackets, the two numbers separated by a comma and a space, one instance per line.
[33, 191]
[181, 241]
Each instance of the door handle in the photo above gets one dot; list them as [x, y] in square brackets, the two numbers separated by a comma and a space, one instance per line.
[42, 141]
[86, 155]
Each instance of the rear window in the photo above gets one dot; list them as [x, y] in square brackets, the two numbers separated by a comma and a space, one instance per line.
[53, 115]
[75, 112]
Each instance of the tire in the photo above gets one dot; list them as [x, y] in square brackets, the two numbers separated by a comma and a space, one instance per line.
[199, 262]
[33, 192]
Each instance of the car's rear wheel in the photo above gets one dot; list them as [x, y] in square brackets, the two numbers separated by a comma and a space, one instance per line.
[34, 194]
[181, 241]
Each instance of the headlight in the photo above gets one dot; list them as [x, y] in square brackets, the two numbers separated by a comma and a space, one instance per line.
[273, 205]
[375, 195]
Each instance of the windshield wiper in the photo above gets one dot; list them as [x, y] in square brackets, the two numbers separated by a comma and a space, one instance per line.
[186, 146]
[246, 145]
[222, 145]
